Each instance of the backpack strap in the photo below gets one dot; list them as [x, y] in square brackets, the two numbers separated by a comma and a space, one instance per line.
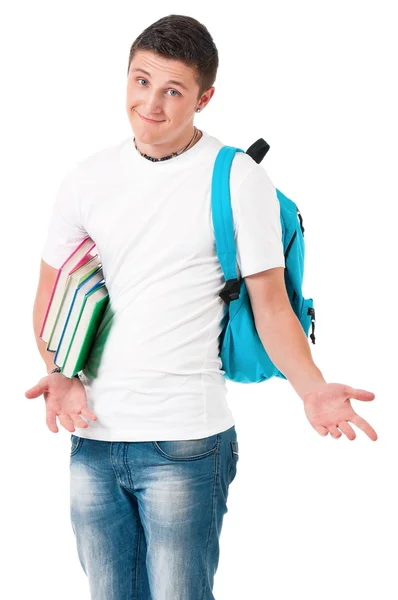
[258, 150]
[223, 221]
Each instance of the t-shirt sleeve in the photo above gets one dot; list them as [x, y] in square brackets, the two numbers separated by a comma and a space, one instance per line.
[65, 229]
[258, 230]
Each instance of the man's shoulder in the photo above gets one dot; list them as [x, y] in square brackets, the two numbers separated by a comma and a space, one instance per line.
[242, 164]
[101, 159]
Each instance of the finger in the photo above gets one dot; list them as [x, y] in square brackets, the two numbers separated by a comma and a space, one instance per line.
[51, 421]
[77, 420]
[36, 390]
[321, 430]
[358, 394]
[334, 432]
[347, 430]
[364, 425]
[66, 422]
[88, 414]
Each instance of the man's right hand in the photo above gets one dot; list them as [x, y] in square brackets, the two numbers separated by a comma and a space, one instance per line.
[65, 398]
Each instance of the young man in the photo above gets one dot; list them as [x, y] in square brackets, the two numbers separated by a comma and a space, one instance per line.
[152, 463]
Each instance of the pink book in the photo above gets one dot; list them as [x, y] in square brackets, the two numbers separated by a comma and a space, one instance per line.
[79, 256]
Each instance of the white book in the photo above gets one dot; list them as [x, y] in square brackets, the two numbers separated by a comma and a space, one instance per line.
[74, 309]
[74, 281]
[80, 254]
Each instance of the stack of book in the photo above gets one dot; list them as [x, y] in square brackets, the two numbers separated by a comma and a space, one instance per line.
[77, 304]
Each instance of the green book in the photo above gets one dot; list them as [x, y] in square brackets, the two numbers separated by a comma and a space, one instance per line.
[84, 332]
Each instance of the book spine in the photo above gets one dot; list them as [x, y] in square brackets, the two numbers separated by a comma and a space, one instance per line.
[87, 241]
[92, 332]
[81, 281]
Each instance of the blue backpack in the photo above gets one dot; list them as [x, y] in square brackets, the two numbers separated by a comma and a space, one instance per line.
[242, 353]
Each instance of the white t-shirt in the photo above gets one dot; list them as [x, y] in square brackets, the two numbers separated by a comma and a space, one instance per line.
[155, 372]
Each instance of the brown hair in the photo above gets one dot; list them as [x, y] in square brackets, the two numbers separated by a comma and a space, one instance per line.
[183, 38]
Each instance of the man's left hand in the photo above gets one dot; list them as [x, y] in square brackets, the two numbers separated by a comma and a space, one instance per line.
[328, 409]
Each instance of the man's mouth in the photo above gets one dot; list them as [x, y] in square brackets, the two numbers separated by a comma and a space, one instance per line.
[149, 120]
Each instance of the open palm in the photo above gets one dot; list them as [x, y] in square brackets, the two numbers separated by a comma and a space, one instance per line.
[328, 409]
[65, 398]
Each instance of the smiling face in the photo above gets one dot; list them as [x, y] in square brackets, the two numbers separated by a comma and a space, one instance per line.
[166, 92]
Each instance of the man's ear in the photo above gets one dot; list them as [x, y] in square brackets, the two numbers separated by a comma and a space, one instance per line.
[206, 97]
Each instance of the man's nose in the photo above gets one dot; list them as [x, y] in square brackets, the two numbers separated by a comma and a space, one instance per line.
[153, 104]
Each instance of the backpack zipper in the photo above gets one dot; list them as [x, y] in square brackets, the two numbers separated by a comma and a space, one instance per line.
[290, 244]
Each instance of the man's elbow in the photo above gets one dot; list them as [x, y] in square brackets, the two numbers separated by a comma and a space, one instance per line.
[267, 293]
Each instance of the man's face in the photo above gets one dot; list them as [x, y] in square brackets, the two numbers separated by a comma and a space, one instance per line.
[163, 90]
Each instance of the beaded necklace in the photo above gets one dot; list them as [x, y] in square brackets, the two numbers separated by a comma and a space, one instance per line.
[196, 132]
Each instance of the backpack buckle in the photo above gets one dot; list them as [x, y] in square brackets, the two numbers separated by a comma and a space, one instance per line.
[311, 311]
[230, 291]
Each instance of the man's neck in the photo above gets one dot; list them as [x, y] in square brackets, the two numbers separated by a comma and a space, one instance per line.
[159, 151]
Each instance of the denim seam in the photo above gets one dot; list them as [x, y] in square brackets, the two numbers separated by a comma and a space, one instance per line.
[113, 466]
[77, 446]
[136, 564]
[217, 458]
[234, 461]
[110, 460]
[234, 444]
[232, 464]
[127, 466]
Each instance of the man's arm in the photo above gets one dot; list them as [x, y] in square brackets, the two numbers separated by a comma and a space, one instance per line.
[280, 330]
[327, 405]
[47, 279]
[65, 398]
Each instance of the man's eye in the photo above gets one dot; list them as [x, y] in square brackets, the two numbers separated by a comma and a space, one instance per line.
[177, 93]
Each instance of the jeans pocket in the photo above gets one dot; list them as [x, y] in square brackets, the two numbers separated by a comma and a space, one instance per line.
[234, 461]
[183, 450]
[75, 444]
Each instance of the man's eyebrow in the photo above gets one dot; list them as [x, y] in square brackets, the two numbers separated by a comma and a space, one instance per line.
[171, 81]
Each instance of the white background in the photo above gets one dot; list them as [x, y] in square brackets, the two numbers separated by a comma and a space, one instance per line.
[308, 516]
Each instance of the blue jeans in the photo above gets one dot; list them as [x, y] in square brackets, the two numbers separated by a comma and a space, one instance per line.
[147, 516]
